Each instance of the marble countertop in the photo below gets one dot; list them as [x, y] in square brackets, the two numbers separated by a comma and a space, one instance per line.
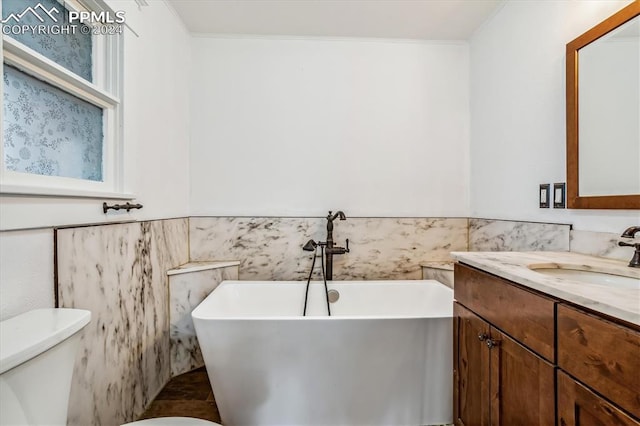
[515, 266]
[202, 266]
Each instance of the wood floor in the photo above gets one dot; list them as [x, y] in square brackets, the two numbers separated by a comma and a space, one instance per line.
[187, 395]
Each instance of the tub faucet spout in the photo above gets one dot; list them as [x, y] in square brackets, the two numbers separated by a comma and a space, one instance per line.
[332, 249]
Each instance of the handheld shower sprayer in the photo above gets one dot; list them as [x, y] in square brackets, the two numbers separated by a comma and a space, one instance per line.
[310, 246]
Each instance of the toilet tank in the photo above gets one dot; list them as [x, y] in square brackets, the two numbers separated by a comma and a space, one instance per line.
[37, 354]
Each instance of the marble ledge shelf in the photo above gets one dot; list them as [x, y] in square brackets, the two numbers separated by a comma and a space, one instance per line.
[438, 270]
[202, 266]
[445, 265]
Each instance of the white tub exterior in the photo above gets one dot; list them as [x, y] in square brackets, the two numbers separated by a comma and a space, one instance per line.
[384, 357]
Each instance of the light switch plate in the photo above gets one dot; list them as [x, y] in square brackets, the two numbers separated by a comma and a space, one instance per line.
[559, 195]
[545, 195]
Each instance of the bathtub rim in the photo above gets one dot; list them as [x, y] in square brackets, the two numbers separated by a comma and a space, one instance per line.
[195, 314]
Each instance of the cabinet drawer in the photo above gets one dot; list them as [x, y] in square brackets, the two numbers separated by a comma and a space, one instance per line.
[603, 355]
[526, 316]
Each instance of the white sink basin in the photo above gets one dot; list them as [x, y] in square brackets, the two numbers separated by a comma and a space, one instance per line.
[588, 276]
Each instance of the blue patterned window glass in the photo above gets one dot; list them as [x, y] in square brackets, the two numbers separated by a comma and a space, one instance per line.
[72, 50]
[50, 132]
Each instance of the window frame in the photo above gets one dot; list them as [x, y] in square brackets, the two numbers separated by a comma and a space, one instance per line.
[104, 92]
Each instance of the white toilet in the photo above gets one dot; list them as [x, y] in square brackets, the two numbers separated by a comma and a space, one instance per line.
[37, 354]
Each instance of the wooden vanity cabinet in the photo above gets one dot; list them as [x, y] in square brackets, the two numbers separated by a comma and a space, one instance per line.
[506, 371]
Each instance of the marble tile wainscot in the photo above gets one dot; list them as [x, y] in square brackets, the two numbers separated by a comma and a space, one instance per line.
[270, 248]
[507, 235]
[118, 272]
[602, 244]
[190, 284]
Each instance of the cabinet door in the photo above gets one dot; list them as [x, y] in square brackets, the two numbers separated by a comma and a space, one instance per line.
[578, 406]
[471, 368]
[522, 384]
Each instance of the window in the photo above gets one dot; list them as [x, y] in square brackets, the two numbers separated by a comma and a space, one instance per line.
[61, 109]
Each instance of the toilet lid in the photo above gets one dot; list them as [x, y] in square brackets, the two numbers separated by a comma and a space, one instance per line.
[173, 421]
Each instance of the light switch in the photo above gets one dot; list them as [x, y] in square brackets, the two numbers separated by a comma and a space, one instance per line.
[559, 195]
[545, 189]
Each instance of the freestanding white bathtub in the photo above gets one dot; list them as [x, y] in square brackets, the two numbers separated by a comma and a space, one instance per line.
[384, 357]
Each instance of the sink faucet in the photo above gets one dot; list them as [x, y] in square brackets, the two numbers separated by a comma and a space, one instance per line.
[630, 233]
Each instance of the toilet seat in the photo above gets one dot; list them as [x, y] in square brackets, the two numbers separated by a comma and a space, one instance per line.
[172, 421]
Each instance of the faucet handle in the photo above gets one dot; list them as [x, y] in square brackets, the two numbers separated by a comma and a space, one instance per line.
[338, 250]
[625, 244]
[635, 260]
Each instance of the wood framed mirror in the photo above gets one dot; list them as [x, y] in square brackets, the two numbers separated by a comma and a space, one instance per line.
[603, 114]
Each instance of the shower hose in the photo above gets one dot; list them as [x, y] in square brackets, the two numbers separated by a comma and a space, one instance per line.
[324, 279]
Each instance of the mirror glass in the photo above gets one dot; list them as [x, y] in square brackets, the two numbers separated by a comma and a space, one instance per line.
[609, 113]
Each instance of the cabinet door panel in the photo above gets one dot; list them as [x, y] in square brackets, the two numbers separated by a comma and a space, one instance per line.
[578, 406]
[522, 385]
[471, 369]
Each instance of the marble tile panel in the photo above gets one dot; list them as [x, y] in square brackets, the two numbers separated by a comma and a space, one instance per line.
[169, 248]
[186, 291]
[381, 248]
[268, 248]
[394, 248]
[603, 244]
[504, 235]
[118, 272]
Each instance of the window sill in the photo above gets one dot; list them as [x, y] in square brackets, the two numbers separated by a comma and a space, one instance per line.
[63, 193]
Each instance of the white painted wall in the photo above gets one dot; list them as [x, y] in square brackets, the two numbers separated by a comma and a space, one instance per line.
[289, 127]
[157, 87]
[26, 271]
[156, 128]
[518, 111]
